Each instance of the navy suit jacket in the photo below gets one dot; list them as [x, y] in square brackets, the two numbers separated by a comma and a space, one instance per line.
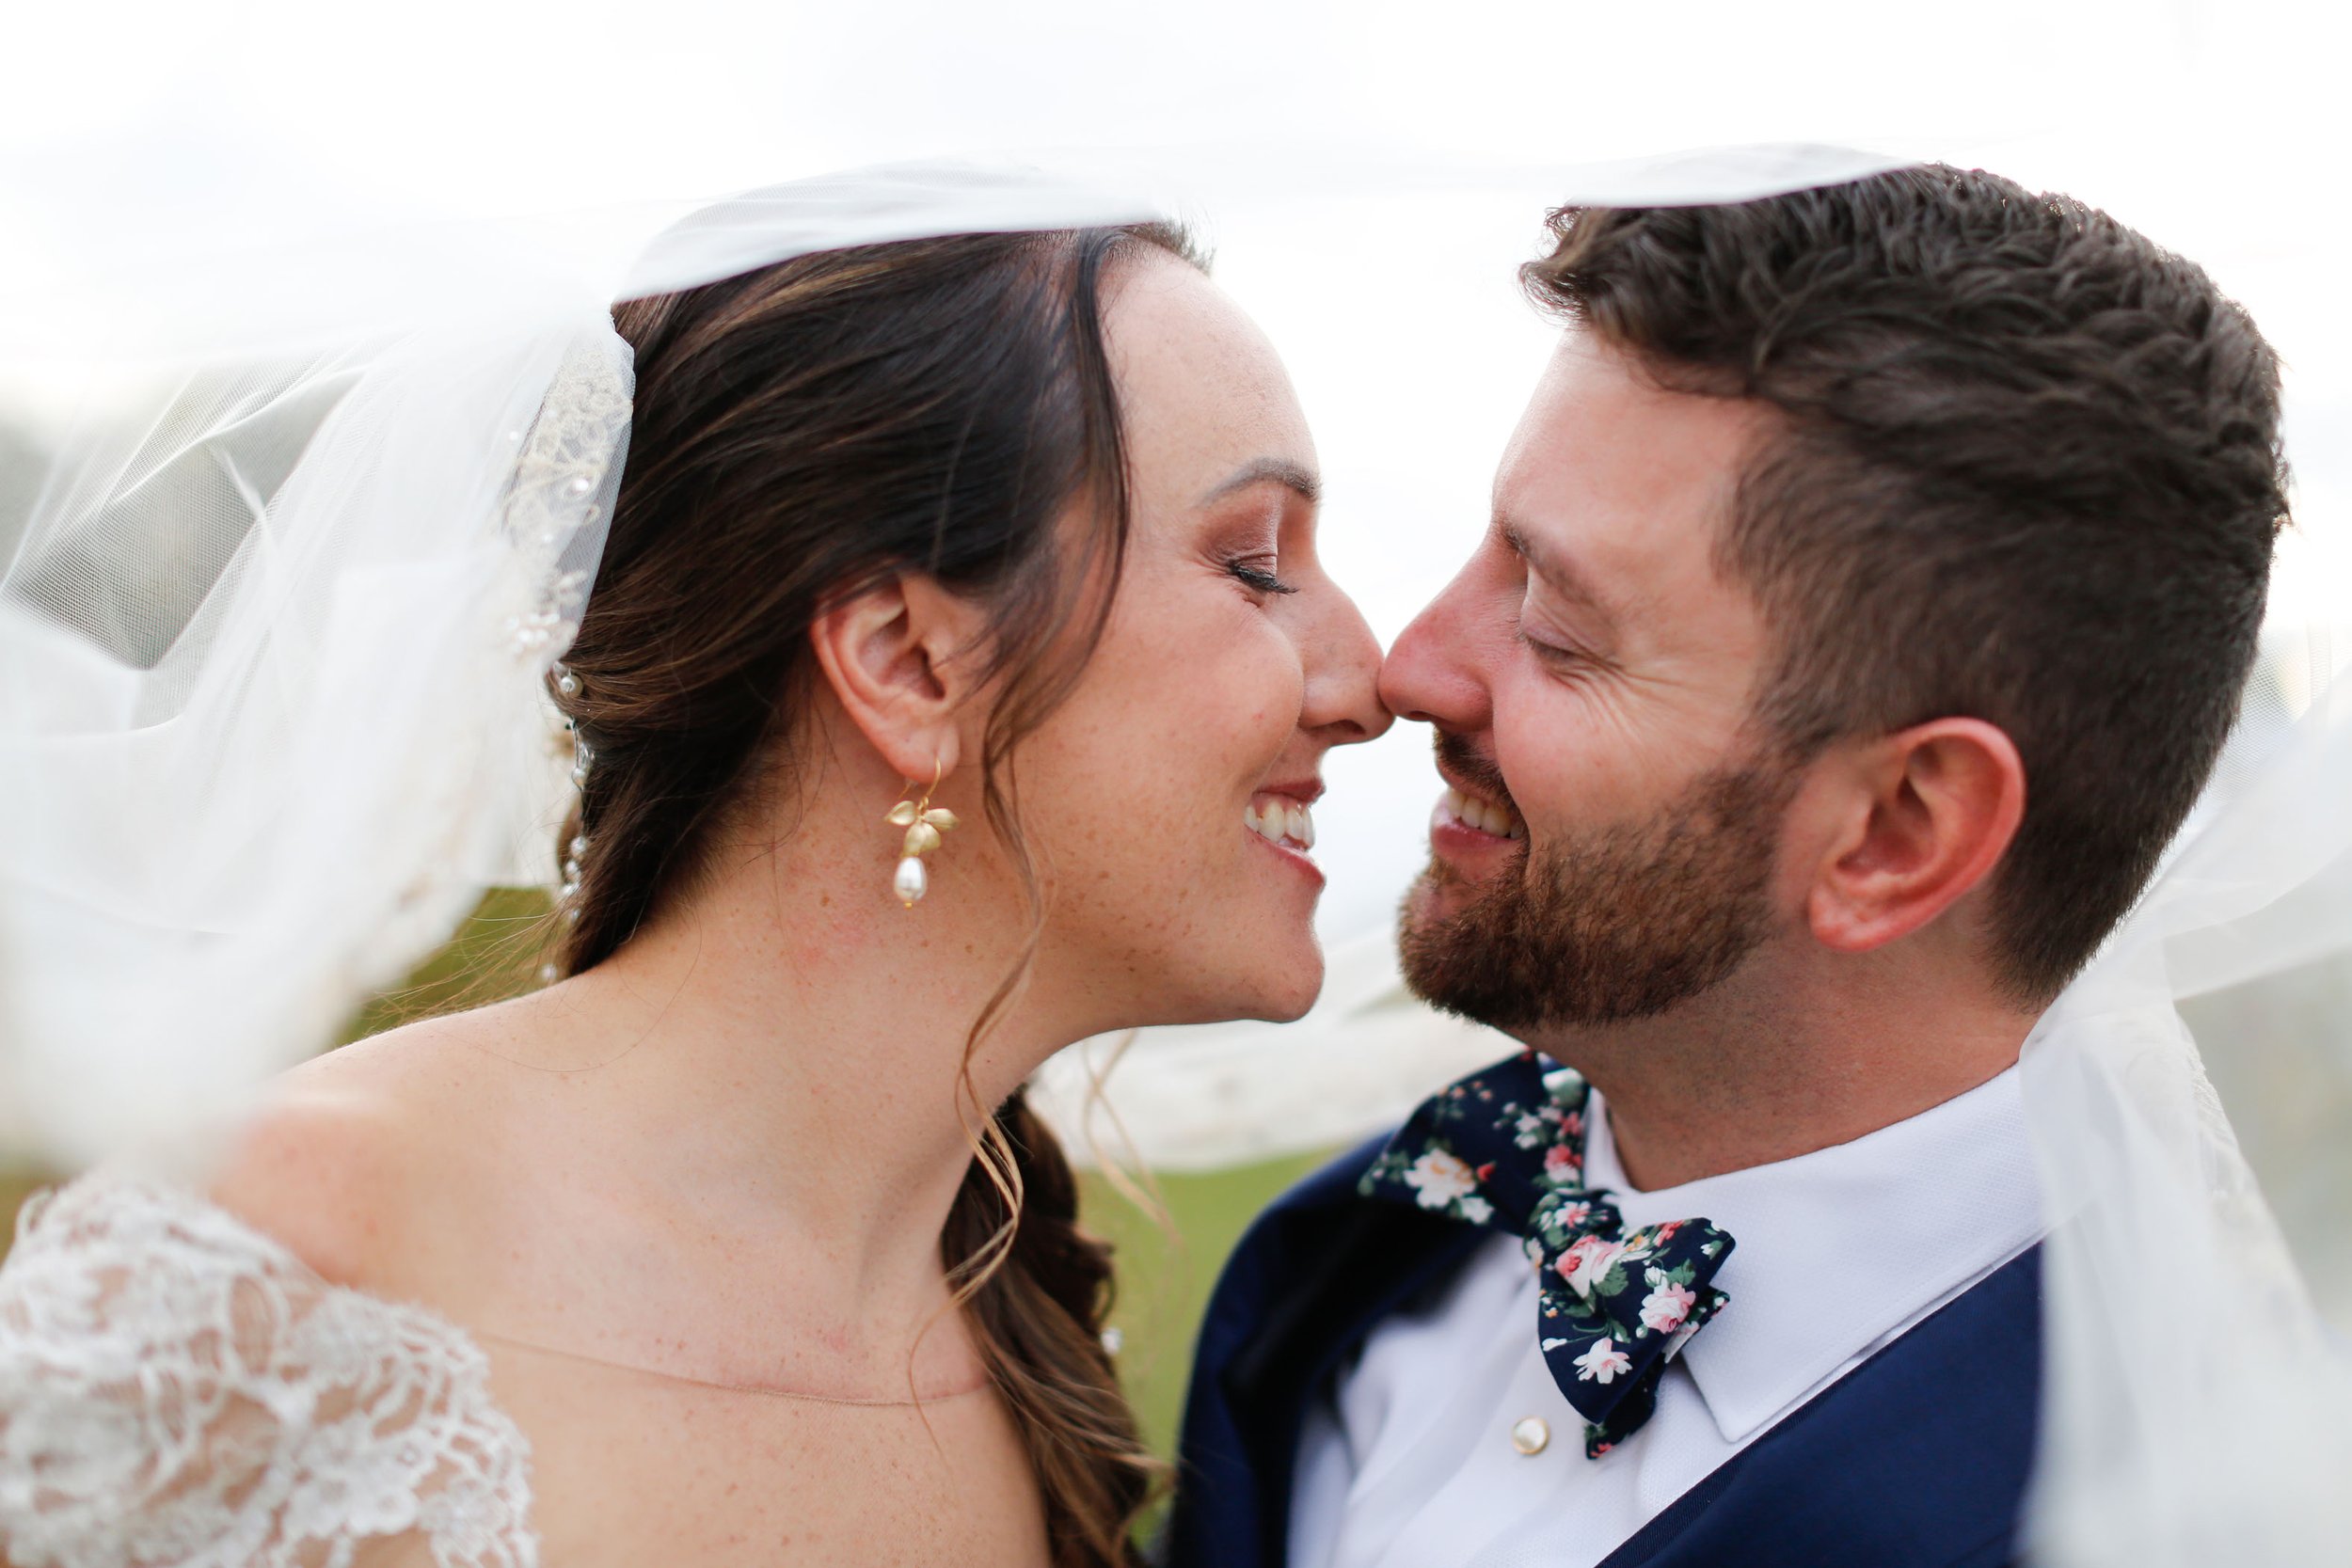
[1916, 1459]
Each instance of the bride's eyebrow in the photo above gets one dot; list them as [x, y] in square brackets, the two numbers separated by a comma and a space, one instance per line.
[1281, 470]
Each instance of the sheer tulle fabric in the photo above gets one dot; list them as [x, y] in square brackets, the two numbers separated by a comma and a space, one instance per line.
[275, 622]
[2198, 1406]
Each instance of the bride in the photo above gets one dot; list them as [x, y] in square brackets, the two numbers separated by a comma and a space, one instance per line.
[954, 685]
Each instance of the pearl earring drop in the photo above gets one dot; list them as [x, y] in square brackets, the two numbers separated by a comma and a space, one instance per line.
[924, 826]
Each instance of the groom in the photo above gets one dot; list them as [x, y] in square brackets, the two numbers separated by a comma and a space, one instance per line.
[1870, 587]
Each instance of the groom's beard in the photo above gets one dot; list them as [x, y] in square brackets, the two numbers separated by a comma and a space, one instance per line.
[1621, 923]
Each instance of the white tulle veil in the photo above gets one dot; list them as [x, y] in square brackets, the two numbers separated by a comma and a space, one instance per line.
[305, 501]
[277, 616]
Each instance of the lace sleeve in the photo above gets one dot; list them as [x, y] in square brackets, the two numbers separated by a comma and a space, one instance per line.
[177, 1387]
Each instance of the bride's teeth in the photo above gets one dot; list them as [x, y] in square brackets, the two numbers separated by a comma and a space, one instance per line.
[1280, 821]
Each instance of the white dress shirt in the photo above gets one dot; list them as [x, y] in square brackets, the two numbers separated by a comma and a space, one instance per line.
[1410, 1462]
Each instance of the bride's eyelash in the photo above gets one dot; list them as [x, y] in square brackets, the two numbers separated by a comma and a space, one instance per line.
[1263, 581]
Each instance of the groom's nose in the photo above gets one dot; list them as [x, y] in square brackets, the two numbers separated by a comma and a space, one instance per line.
[1435, 670]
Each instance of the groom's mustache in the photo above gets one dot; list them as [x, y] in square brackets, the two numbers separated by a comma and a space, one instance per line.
[1456, 755]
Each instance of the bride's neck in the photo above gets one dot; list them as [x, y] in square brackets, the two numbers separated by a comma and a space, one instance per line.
[787, 1047]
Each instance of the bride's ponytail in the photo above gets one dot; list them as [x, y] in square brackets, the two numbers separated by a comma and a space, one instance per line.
[1040, 1314]
[800, 431]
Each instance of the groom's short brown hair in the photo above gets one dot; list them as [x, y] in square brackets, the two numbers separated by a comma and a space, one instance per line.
[2026, 470]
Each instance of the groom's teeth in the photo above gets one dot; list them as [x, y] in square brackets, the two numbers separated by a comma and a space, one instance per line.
[1281, 821]
[1484, 815]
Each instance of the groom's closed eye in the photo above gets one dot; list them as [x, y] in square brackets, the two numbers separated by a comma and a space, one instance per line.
[1563, 620]
[1551, 653]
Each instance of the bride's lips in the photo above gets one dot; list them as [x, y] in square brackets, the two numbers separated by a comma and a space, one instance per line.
[1280, 817]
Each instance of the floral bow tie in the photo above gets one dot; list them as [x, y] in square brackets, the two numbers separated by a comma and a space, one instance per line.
[1504, 1147]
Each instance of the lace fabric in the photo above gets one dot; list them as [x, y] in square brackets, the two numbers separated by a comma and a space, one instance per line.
[177, 1387]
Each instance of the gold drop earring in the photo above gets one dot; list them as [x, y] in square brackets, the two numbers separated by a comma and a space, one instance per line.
[923, 825]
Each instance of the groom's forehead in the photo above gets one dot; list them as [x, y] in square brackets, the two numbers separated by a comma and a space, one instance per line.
[1614, 487]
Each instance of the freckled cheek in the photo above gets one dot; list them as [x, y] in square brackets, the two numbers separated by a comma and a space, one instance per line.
[1257, 694]
[1222, 714]
[1186, 707]
[1219, 751]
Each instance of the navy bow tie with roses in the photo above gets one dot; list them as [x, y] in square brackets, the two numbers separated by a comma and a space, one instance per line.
[1504, 1147]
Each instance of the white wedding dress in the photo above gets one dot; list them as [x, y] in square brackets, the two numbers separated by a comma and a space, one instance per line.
[177, 1387]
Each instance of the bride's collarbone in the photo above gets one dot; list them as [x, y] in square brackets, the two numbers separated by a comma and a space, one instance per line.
[629, 1469]
[667, 1406]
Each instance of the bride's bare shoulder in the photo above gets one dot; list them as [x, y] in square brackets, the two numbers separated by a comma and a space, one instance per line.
[355, 1159]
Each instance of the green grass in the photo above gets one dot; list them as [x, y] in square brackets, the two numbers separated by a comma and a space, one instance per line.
[494, 955]
[1163, 1275]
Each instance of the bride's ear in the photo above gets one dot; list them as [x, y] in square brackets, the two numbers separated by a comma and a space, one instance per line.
[899, 659]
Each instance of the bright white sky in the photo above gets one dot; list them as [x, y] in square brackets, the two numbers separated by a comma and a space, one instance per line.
[2212, 128]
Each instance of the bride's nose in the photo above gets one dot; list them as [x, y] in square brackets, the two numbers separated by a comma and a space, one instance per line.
[1343, 667]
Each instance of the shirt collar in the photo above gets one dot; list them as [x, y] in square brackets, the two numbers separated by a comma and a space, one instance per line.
[1837, 1248]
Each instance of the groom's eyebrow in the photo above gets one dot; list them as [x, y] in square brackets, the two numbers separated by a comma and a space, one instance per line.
[1281, 470]
[1554, 569]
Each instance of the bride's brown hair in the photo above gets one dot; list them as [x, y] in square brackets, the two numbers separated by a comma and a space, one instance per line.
[801, 433]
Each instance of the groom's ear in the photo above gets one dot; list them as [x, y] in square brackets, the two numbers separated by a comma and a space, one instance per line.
[1918, 819]
[898, 656]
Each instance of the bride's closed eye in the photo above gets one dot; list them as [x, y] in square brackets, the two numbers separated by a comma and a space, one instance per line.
[1257, 573]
